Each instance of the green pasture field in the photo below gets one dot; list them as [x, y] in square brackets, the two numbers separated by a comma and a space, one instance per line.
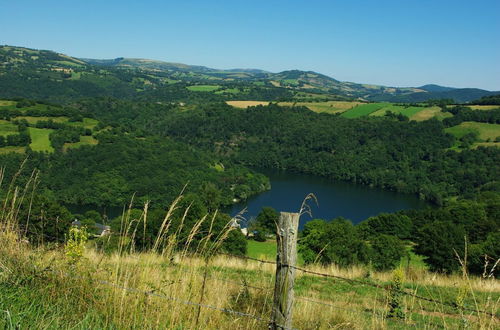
[84, 140]
[6, 103]
[483, 107]
[486, 131]
[261, 250]
[228, 90]
[40, 139]
[266, 250]
[363, 110]
[398, 109]
[203, 88]
[7, 128]
[431, 112]
[34, 120]
[328, 107]
[87, 123]
[9, 149]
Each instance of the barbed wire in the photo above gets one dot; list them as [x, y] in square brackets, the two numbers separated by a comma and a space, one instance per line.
[359, 282]
[182, 301]
[308, 299]
[378, 286]
[265, 288]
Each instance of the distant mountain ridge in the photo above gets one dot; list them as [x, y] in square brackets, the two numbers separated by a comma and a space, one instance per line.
[20, 67]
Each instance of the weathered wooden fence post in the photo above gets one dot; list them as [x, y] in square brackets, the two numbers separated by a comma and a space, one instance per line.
[286, 258]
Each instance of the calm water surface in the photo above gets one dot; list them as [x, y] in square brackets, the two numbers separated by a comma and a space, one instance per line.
[335, 199]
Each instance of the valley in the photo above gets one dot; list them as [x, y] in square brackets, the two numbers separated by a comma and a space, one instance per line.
[176, 159]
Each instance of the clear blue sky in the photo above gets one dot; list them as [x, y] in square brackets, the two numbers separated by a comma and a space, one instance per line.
[390, 42]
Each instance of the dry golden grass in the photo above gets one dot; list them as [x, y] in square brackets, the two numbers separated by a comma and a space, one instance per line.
[4, 103]
[246, 104]
[9, 149]
[429, 113]
[328, 107]
[484, 107]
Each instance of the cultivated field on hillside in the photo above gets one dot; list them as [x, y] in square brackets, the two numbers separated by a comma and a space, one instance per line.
[203, 88]
[40, 136]
[398, 109]
[328, 107]
[84, 140]
[40, 139]
[363, 110]
[431, 112]
[246, 104]
[7, 128]
[485, 131]
[483, 107]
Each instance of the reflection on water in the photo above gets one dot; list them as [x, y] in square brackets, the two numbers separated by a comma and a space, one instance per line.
[335, 199]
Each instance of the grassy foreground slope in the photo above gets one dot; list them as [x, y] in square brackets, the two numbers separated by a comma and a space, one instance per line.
[150, 290]
[170, 287]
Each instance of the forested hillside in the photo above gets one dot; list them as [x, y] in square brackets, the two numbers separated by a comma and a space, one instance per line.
[106, 134]
[50, 76]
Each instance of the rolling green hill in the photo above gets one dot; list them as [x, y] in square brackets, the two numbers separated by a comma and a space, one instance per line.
[47, 75]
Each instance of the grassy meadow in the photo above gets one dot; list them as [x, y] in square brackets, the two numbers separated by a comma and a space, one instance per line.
[483, 107]
[431, 112]
[397, 109]
[7, 128]
[363, 110]
[203, 88]
[9, 149]
[486, 131]
[328, 107]
[262, 250]
[34, 120]
[84, 140]
[40, 139]
[246, 104]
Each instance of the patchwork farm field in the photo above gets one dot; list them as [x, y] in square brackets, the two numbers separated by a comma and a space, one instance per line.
[363, 110]
[431, 112]
[34, 120]
[84, 140]
[86, 123]
[40, 139]
[328, 107]
[484, 107]
[9, 149]
[7, 128]
[397, 109]
[486, 132]
[355, 109]
[6, 103]
[246, 104]
[203, 88]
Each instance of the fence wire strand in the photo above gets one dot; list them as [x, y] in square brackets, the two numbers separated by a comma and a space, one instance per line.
[359, 282]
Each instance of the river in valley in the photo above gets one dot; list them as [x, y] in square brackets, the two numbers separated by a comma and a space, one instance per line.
[335, 199]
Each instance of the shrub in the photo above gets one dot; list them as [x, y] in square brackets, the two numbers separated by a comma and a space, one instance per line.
[386, 252]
